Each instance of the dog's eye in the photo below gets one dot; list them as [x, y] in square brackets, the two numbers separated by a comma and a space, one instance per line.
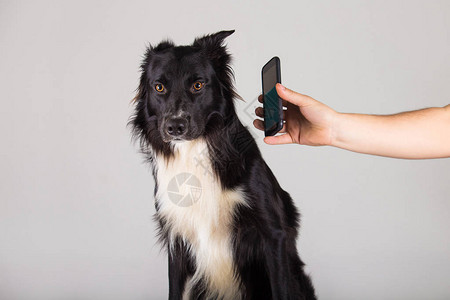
[198, 86]
[159, 88]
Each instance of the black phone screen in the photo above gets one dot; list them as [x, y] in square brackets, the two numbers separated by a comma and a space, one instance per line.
[272, 103]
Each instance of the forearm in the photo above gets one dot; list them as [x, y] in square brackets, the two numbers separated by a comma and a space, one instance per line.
[417, 134]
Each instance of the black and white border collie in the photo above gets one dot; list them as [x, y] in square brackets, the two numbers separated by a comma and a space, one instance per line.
[234, 237]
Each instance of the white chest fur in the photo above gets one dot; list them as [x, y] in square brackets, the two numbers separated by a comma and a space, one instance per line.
[203, 219]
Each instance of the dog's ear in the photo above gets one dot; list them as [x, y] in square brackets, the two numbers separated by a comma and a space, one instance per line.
[141, 91]
[213, 40]
[162, 46]
[213, 47]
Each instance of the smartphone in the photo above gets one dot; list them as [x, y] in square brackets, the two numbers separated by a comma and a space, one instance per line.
[273, 106]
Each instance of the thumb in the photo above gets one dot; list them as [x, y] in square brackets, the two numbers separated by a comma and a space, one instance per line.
[293, 97]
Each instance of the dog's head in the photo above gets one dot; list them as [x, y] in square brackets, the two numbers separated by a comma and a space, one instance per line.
[182, 89]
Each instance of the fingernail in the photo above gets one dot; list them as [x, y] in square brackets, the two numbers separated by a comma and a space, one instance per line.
[282, 87]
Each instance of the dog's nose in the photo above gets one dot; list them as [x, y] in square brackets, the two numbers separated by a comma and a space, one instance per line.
[176, 126]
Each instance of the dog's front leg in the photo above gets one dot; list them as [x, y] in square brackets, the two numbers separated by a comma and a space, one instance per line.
[178, 270]
[277, 266]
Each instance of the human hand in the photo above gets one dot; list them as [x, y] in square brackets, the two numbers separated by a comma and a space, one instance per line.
[307, 121]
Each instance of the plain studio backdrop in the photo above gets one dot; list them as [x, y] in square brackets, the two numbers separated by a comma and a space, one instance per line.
[76, 200]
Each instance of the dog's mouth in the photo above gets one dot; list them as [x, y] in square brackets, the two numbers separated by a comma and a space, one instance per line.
[168, 139]
[177, 140]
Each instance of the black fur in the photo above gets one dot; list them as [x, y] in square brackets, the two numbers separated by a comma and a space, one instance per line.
[265, 232]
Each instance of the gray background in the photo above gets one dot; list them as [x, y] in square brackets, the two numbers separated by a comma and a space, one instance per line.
[76, 200]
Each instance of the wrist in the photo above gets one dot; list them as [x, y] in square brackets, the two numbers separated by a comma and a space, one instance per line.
[336, 131]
